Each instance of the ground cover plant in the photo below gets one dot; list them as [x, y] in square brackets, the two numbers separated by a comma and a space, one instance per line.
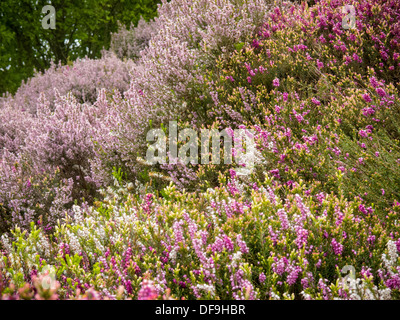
[84, 215]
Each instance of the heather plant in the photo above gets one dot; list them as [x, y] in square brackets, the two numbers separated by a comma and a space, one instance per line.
[189, 36]
[83, 78]
[31, 194]
[313, 118]
[128, 43]
[264, 241]
[322, 197]
[55, 163]
[14, 125]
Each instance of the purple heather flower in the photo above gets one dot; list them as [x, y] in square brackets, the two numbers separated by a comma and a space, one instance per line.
[255, 43]
[147, 291]
[366, 97]
[362, 208]
[283, 219]
[363, 133]
[381, 92]
[315, 101]
[337, 247]
[374, 83]
[275, 82]
[262, 277]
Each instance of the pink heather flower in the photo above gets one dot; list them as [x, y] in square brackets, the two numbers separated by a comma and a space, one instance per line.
[377, 154]
[147, 290]
[301, 239]
[363, 133]
[228, 243]
[362, 208]
[383, 191]
[366, 97]
[279, 266]
[283, 219]
[366, 272]
[292, 276]
[368, 111]
[255, 43]
[398, 244]
[316, 101]
[275, 82]
[337, 247]
[381, 92]
[242, 245]
[262, 277]
[320, 65]
[357, 58]
[249, 79]
[341, 168]
[374, 83]
[361, 160]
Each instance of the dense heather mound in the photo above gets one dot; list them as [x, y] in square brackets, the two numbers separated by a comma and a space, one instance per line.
[76, 196]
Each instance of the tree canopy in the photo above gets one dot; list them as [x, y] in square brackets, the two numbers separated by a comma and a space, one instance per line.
[83, 28]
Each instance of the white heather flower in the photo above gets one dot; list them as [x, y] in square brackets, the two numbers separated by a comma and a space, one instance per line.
[207, 288]
[6, 242]
[237, 256]
[274, 296]
[74, 242]
[392, 251]
[360, 290]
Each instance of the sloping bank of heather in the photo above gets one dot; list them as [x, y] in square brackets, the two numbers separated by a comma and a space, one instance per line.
[323, 197]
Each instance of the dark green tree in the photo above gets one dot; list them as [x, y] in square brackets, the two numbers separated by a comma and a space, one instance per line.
[82, 28]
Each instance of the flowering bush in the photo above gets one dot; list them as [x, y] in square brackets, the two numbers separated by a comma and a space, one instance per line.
[189, 36]
[83, 78]
[237, 242]
[129, 43]
[323, 103]
[313, 118]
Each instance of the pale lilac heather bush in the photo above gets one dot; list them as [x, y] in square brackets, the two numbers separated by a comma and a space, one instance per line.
[29, 193]
[14, 124]
[66, 137]
[191, 34]
[195, 246]
[128, 43]
[56, 158]
[83, 78]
